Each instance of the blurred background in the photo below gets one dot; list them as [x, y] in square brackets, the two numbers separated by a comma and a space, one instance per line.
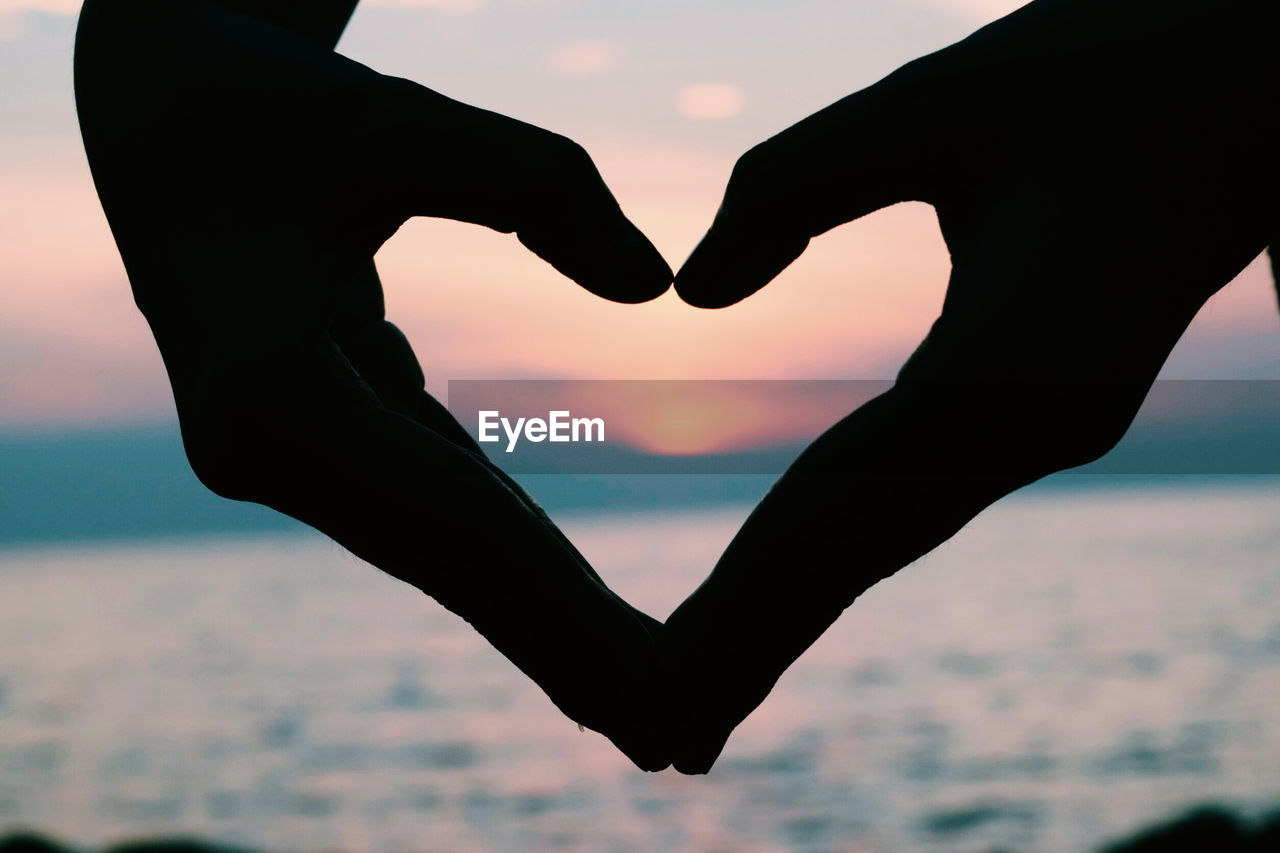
[1081, 661]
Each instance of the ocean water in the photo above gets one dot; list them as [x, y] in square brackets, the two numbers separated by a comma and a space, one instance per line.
[1070, 667]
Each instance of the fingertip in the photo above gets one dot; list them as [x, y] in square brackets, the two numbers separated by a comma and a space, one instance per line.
[644, 275]
[649, 764]
[701, 293]
[698, 760]
[656, 765]
[726, 268]
[696, 740]
[615, 261]
[688, 769]
[701, 282]
[647, 752]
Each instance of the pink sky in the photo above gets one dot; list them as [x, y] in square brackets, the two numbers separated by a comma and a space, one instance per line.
[73, 349]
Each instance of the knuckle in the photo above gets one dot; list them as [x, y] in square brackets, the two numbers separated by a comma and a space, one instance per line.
[1016, 426]
[546, 165]
[221, 460]
[918, 71]
[243, 437]
[1072, 427]
[757, 167]
[1090, 439]
[566, 154]
[756, 178]
[764, 180]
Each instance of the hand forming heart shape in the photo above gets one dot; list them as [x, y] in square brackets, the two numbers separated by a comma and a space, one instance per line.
[249, 174]
[1095, 187]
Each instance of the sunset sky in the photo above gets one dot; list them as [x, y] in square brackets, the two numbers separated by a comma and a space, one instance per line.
[664, 93]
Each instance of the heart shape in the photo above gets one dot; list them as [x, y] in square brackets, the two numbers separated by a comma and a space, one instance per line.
[249, 175]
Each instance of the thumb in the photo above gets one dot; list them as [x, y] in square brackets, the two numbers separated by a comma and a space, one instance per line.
[850, 159]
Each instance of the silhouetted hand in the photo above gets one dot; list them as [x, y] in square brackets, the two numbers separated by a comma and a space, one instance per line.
[1100, 168]
[249, 174]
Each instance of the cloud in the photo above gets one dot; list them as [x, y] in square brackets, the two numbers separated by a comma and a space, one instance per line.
[710, 100]
[585, 58]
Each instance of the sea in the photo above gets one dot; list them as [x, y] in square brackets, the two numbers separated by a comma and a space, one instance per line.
[1073, 666]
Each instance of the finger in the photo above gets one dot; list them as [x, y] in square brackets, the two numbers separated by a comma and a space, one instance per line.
[459, 162]
[375, 347]
[856, 156]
